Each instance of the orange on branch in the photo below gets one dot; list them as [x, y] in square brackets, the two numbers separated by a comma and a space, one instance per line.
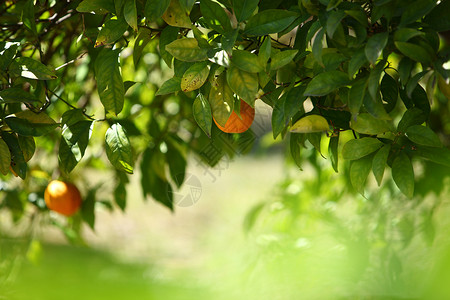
[62, 197]
[235, 124]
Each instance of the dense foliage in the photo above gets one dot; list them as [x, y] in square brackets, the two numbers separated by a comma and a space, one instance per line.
[83, 83]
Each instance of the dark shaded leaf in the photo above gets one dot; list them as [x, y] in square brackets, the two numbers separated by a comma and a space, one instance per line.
[326, 82]
[269, 21]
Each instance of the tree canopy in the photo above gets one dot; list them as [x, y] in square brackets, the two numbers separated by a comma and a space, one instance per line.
[126, 84]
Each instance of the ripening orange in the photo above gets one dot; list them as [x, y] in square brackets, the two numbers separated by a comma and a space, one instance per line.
[62, 197]
[235, 124]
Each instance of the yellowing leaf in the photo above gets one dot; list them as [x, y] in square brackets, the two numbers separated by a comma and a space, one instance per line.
[5, 157]
[186, 49]
[194, 77]
[311, 123]
[244, 84]
[221, 100]
[176, 16]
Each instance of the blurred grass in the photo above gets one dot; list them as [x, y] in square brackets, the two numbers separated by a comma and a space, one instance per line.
[73, 273]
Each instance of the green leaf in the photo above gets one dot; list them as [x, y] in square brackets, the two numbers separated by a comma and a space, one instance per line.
[278, 116]
[168, 35]
[111, 32]
[332, 4]
[423, 136]
[301, 40]
[356, 62]
[333, 151]
[405, 67]
[18, 163]
[269, 21]
[413, 116]
[5, 157]
[317, 46]
[375, 107]
[437, 155]
[375, 46]
[17, 95]
[130, 13]
[28, 123]
[170, 86]
[221, 100]
[88, 208]
[215, 16]
[187, 49]
[109, 80]
[403, 174]
[358, 148]
[7, 54]
[202, 113]
[359, 170]
[154, 9]
[176, 15]
[187, 5]
[286, 107]
[356, 95]
[194, 77]
[416, 10]
[72, 116]
[120, 195]
[27, 145]
[326, 82]
[118, 4]
[311, 123]
[389, 90]
[420, 99]
[96, 6]
[177, 163]
[359, 15]
[414, 52]
[151, 182]
[74, 141]
[282, 58]
[379, 162]
[32, 69]
[246, 61]
[264, 51]
[118, 148]
[315, 139]
[244, 84]
[405, 34]
[438, 17]
[374, 79]
[28, 17]
[243, 9]
[367, 124]
[413, 82]
[334, 19]
[294, 146]
[143, 38]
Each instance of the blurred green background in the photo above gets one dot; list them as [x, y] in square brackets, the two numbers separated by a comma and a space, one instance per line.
[261, 229]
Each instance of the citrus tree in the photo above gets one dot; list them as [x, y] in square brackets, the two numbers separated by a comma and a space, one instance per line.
[119, 85]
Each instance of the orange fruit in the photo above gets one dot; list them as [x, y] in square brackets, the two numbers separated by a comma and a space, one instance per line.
[62, 197]
[235, 124]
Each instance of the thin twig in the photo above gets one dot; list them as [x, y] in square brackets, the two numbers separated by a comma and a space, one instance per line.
[71, 62]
